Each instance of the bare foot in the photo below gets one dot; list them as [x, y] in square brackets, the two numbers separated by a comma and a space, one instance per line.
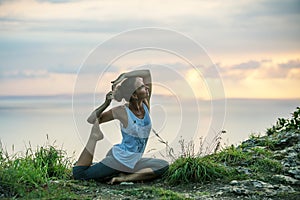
[96, 133]
[118, 179]
[114, 180]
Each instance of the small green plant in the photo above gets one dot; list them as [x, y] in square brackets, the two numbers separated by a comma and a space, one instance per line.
[264, 165]
[232, 156]
[255, 136]
[267, 142]
[195, 166]
[261, 152]
[286, 124]
[195, 169]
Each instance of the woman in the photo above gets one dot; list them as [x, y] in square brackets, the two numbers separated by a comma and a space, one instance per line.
[123, 161]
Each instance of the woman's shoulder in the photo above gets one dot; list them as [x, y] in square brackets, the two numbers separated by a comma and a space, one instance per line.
[119, 113]
[120, 107]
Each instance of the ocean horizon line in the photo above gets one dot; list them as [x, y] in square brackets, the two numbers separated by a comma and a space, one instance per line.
[65, 96]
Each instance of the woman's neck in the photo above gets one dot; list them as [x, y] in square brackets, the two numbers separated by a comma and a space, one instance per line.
[137, 108]
[137, 105]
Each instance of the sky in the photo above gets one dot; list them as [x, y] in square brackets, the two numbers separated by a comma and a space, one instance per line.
[253, 45]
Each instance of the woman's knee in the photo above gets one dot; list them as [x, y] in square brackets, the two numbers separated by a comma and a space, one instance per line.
[160, 166]
[164, 163]
[162, 169]
[79, 172]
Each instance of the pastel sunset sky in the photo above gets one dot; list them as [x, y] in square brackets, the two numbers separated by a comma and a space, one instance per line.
[254, 44]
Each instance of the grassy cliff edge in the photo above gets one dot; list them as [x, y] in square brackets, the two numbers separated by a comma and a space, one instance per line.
[263, 166]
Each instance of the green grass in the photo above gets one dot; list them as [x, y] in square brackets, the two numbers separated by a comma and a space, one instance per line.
[20, 174]
[286, 124]
[232, 156]
[53, 191]
[195, 169]
[257, 151]
[222, 166]
[266, 166]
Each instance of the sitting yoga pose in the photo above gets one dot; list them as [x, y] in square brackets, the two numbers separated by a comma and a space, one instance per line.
[123, 161]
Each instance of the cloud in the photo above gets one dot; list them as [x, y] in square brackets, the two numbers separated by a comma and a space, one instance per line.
[291, 64]
[291, 69]
[40, 39]
[267, 81]
[24, 74]
[240, 70]
[74, 26]
[287, 70]
[3, 1]
[262, 69]
[48, 84]
[267, 11]
[94, 9]
[277, 7]
[247, 65]
[260, 27]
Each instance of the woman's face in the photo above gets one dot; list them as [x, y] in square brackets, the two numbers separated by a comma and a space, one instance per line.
[141, 89]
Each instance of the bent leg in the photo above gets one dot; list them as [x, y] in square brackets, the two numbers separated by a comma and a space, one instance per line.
[141, 175]
[86, 157]
[98, 172]
[145, 169]
[158, 166]
[102, 171]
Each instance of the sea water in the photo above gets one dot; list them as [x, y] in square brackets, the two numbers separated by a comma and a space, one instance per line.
[36, 121]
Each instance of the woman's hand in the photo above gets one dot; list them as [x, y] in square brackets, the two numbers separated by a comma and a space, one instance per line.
[96, 113]
[118, 80]
[109, 97]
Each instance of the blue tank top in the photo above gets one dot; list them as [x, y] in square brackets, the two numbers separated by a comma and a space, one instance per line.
[134, 139]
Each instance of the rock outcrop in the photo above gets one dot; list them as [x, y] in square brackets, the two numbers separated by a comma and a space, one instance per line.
[282, 144]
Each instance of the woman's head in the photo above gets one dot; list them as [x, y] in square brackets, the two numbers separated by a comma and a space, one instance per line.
[130, 89]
